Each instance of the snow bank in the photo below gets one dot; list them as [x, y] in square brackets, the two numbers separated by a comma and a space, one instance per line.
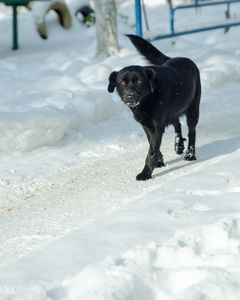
[220, 69]
[186, 267]
[47, 126]
[26, 131]
[97, 107]
[41, 105]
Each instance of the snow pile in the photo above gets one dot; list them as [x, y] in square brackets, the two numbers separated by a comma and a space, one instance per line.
[46, 126]
[49, 101]
[187, 267]
[27, 131]
[220, 69]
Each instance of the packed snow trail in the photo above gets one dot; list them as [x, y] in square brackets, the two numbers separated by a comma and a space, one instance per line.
[38, 210]
[52, 205]
[49, 206]
[73, 219]
[205, 226]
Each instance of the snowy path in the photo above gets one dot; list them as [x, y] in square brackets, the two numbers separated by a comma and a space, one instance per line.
[74, 222]
[53, 204]
[62, 216]
[95, 226]
[50, 206]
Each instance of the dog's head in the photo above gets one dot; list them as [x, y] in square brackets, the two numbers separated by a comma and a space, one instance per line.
[133, 84]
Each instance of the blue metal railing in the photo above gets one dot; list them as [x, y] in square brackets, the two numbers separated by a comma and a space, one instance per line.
[172, 12]
[138, 17]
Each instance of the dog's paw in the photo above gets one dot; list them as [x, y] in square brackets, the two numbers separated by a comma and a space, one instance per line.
[190, 154]
[160, 164]
[143, 176]
[190, 157]
[179, 145]
[179, 150]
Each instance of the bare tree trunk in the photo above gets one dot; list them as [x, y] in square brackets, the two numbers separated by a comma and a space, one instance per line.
[106, 26]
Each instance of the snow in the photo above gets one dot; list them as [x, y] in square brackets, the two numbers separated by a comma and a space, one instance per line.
[74, 222]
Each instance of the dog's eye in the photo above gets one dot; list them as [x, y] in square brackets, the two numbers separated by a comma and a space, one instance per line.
[139, 81]
[123, 83]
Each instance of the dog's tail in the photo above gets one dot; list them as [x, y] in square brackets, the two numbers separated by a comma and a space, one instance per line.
[146, 49]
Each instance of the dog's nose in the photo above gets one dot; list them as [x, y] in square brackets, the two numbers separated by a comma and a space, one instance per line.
[130, 97]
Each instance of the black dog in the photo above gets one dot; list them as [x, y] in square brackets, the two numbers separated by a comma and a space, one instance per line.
[158, 95]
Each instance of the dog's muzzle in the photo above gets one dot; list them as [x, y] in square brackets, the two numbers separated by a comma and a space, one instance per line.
[132, 100]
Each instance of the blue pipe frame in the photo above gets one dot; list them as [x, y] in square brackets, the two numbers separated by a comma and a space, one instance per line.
[172, 12]
[138, 11]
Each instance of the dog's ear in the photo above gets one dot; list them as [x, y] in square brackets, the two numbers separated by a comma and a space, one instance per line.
[152, 78]
[112, 81]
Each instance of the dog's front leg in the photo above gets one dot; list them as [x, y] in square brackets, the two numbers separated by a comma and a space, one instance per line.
[152, 156]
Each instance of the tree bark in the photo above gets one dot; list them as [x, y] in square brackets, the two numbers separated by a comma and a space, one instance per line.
[106, 26]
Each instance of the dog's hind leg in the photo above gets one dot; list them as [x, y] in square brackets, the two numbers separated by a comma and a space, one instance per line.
[190, 154]
[192, 120]
[179, 140]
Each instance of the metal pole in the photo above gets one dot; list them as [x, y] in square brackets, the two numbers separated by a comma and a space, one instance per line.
[145, 15]
[138, 17]
[172, 19]
[15, 29]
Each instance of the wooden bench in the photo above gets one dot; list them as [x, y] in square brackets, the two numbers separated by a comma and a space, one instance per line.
[15, 4]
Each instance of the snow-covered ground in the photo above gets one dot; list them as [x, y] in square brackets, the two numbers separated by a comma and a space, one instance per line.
[74, 222]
